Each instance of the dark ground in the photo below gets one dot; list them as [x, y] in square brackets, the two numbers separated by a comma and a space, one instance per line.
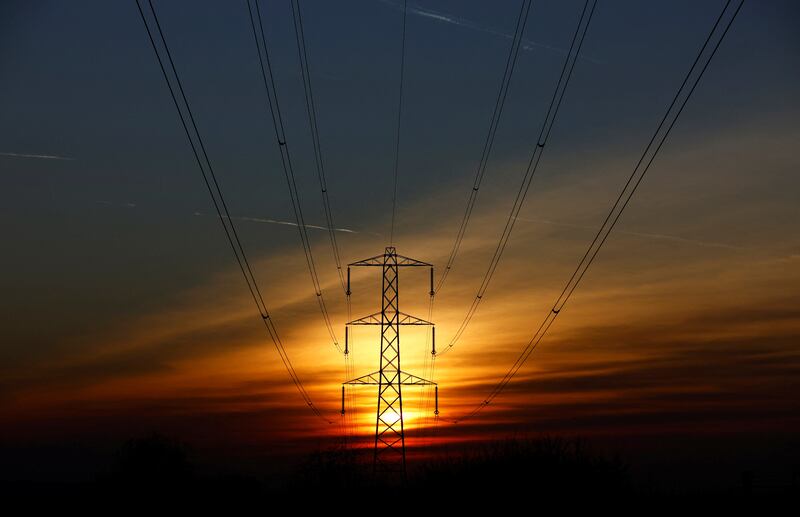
[549, 469]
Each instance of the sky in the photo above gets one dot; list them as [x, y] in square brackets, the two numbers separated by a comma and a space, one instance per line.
[124, 311]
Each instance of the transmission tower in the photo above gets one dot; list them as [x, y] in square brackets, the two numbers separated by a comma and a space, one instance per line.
[390, 447]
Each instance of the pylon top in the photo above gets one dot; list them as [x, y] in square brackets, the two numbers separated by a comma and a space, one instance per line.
[380, 260]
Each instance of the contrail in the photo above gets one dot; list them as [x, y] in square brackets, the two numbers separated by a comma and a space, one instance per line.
[40, 156]
[123, 205]
[238, 218]
[286, 223]
[526, 44]
[658, 236]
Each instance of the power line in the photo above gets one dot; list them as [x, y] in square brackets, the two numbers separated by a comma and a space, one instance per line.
[511, 61]
[311, 111]
[286, 162]
[219, 201]
[616, 211]
[399, 118]
[533, 164]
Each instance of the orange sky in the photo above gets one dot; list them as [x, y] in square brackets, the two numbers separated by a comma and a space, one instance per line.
[124, 312]
[693, 333]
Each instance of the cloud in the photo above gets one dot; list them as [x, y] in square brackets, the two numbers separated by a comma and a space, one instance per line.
[657, 236]
[123, 205]
[645, 373]
[39, 156]
[286, 223]
[439, 16]
[240, 218]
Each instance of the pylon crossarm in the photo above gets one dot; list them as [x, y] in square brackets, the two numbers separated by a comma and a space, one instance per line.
[405, 261]
[372, 319]
[403, 319]
[371, 378]
[406, 379]
[379, 261]
[407, 319]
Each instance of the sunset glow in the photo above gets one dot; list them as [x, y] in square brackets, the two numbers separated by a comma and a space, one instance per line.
[126, 314]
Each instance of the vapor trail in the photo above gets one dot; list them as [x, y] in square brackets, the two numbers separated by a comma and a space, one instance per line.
[526, 44]
[40, 156]
[285, 223]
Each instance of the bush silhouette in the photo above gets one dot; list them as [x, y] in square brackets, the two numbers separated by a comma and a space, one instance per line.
[151, 465]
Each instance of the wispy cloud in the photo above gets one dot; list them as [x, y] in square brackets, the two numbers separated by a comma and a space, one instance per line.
[439, 16]
[240, 218]
[658, 236]
[123, 205]
[39, 156]
[275, 221]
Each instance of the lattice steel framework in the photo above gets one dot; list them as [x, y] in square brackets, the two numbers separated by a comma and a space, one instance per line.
[390, 452]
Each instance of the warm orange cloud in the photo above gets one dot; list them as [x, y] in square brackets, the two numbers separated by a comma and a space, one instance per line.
[687, 321]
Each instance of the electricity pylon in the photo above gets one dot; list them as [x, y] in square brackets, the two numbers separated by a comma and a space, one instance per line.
[390, 446]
